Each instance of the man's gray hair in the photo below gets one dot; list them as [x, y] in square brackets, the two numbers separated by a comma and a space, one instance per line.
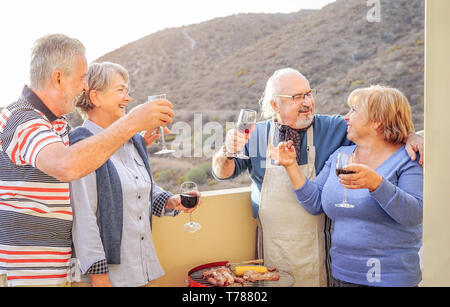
[272, 89]
[99, 76]
[52, 52]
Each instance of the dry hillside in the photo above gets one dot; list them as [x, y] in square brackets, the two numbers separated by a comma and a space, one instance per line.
[217, 67]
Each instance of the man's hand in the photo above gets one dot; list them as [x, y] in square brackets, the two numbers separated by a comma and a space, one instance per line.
[236, 140]
[415, 144]
[152, 114]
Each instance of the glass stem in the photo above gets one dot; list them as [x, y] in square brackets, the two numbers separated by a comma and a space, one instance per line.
[161, 129]
[345, 195]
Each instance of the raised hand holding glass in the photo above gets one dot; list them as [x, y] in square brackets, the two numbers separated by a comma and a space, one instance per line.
[342, 160]
[247, 119]
[164, 149]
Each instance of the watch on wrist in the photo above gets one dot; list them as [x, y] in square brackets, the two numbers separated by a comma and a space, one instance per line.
[227, 154]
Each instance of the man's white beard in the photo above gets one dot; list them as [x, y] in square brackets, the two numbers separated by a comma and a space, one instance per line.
[304, 123]
[299, 123]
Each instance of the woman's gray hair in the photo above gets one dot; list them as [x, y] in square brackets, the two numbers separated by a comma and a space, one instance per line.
[99, 76]
[272, 89]
[52, 52]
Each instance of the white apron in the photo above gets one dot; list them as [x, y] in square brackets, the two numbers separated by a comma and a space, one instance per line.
[293, 240]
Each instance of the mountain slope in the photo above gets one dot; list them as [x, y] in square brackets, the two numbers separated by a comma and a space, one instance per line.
[220, 66]
[223, 64]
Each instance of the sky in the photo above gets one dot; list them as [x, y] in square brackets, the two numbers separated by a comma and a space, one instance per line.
[105, 25]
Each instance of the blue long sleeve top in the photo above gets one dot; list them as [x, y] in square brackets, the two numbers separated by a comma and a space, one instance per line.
[377, 242]
[330, 133]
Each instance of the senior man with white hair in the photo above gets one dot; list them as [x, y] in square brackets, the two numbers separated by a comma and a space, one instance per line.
[289, 238]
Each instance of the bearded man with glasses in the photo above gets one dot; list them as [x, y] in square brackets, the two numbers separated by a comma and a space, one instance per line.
[288, 237]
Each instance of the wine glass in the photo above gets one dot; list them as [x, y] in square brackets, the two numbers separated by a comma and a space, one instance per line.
[164, 149]
[247, 119]
[342, 160]
[275, 141]
[189, 199]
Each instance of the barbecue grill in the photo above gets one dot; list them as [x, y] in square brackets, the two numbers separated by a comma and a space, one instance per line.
[195, 278]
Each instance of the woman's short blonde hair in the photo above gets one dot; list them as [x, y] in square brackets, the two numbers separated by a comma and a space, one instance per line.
[387, 106]
[99, 76]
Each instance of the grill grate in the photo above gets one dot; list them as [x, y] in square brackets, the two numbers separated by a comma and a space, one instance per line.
[286, 279]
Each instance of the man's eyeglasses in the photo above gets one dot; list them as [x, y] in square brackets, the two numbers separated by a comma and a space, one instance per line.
[300, 97]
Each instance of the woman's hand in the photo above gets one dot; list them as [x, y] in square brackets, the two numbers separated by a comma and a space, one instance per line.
[174, 203]
[284, 154]
[150, 136]
[363, 178]
[100, 280]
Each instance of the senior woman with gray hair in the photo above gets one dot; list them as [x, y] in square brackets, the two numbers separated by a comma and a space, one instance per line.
[113, 206]
[289, 238]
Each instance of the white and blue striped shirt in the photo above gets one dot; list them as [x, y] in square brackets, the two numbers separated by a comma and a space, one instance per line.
[35, 211]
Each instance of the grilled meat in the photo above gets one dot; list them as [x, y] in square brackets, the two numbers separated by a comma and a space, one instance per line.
[253, 276]
[220, 277]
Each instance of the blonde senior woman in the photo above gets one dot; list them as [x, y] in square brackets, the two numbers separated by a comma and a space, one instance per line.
[378, 233]
[113, 206]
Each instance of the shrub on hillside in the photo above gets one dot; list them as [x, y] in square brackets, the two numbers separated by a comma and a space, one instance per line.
[196, 174]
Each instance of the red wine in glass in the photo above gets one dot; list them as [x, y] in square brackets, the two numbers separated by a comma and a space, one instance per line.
[340, 171]
[343, 159]
[189, 200]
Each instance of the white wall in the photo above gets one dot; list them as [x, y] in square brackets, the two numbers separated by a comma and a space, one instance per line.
[436, 247]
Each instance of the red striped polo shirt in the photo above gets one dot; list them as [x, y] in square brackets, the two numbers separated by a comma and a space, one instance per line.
[35, 211]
